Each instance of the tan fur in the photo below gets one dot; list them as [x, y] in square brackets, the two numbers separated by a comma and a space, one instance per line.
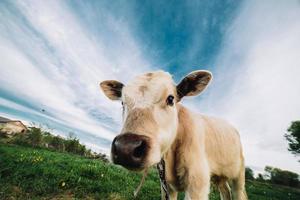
[204, 147]
[195, 147]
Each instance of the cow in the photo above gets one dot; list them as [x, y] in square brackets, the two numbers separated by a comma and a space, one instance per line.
[197, 149]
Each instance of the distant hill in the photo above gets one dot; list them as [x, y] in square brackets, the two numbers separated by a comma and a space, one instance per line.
[37, 173]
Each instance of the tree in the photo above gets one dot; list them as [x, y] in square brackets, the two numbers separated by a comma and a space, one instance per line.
[35, 136]
[285, 177]
[57, 143]
[281, 177]
[249, 173]
[293, 138]
[268, 172]
[260, 178]
[73, 145]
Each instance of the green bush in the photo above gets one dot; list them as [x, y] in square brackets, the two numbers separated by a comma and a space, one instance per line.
[57, 143]
[72, 145]
[37, 137]
[20, 139]
[282, 177]
[249, 173]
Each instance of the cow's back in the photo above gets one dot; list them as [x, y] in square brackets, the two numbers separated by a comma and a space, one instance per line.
[223, 147]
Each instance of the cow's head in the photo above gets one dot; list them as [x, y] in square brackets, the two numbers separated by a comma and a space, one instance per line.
[150, 116]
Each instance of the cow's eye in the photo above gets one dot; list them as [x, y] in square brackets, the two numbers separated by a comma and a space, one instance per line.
[170, 100]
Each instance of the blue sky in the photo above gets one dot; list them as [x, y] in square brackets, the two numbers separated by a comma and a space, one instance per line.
[55, 53]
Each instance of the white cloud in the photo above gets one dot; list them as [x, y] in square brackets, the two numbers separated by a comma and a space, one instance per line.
[260, 65]
[51, 61]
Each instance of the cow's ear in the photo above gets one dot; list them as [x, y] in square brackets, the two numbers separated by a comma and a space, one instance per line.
[193, 84]
[112, 89]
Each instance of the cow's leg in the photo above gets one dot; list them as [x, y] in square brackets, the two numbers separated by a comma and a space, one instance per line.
[238, 187]
[224, 190]
[198, 188]
[173, 194]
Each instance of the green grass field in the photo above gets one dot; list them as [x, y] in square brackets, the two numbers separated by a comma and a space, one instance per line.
[27, 173]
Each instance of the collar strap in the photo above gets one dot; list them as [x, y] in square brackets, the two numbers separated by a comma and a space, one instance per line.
[162, 176]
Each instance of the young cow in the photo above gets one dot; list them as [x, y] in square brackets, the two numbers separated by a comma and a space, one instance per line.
[196, 148]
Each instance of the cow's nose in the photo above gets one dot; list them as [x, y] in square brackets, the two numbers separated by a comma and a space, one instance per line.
[130, 150]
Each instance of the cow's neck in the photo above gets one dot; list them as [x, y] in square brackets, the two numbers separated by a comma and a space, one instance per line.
[175, 158]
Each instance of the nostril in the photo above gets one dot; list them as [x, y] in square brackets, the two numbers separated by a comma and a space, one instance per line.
[140, 150]
[113, 146]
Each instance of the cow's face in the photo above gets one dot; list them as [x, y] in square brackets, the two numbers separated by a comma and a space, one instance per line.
[150, 117]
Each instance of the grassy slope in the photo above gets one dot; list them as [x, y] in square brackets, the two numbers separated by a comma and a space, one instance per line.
[37, 174]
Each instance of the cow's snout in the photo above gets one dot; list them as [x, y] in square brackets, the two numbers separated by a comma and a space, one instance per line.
[130, 150]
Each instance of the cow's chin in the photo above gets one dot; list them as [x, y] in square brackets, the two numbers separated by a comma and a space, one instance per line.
[136, 169]
[148, 163]
[141, 168]
[145, 165]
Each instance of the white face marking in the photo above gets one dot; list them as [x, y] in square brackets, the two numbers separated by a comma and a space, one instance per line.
[146, 90]
[167, 123]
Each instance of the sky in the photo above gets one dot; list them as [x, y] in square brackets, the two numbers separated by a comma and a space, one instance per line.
[55, 53]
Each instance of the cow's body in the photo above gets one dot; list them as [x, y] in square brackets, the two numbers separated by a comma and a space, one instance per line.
[204, 147]
[196, 148]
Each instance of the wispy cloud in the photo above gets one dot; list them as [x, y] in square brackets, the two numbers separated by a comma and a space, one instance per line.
[52, 62]
[259, 67]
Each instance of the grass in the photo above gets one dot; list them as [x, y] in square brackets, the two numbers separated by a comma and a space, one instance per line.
[27, 173]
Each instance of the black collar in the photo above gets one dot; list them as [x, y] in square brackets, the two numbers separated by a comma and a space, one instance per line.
[162, 176]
